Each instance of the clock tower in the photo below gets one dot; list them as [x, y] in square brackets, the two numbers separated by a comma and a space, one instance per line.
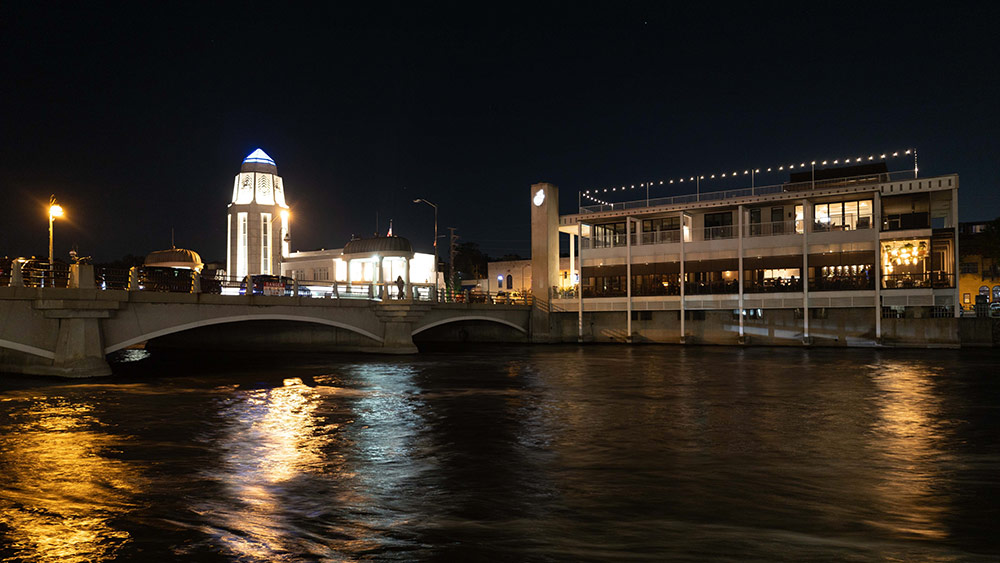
[258, 227]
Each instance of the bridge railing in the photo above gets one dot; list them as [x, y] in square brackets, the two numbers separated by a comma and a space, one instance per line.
[32, 272]
[486, 297]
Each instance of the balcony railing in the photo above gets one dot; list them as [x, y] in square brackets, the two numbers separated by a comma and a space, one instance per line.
[936, 280]
[868, 179]
[775, 228]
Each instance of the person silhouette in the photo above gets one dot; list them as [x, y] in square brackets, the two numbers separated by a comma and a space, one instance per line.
[401, 285]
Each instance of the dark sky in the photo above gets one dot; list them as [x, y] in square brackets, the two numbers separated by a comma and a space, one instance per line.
[138, 118]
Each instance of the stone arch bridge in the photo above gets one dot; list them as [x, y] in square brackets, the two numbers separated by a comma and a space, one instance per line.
[68, 332]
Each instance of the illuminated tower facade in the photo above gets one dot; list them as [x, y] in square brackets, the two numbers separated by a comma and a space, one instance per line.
[258, 221]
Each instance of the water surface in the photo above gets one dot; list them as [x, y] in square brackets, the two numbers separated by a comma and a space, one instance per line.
[550, 453]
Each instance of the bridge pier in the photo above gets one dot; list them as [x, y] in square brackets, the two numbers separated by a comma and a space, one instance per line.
[398, 319]
[79, 345]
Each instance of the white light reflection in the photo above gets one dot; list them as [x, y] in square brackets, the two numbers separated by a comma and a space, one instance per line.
[60, 494]
[271, 440]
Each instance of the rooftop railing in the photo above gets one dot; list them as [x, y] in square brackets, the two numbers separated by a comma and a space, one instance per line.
[864, 180]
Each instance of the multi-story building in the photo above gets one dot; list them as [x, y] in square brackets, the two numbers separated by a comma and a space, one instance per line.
[834, 256]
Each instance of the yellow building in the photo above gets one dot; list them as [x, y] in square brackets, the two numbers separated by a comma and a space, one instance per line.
[979, 274]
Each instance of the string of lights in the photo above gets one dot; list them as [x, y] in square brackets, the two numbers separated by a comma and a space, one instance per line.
[591, 194]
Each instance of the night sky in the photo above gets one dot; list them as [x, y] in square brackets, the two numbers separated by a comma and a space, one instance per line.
[138, 118]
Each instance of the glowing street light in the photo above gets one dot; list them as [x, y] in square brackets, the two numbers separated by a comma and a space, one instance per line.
[419, 200]
[55, 210]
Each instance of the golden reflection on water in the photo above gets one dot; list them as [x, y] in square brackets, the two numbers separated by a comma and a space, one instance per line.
[909, 437]
[60, 492]
[273, 440]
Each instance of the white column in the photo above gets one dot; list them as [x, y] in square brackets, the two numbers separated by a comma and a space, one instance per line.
[807, 219]
[628, 278]
[739, 225]
[683, 233]
[579, 285]
[407, 288]
[877, 228]
[956, 270]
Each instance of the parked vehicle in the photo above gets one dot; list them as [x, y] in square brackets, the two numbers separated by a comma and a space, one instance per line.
[162, 278]
[995, 309]
[266, 284]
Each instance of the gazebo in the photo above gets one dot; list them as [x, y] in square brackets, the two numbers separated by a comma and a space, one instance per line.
[368, 258]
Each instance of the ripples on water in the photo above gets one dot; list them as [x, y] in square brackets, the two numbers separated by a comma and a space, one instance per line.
[509, 453]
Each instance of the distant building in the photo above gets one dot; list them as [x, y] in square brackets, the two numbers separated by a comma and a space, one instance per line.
[979, 274]
[257, 228]
[361, 263]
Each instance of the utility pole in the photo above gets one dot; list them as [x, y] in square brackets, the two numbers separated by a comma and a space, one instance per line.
[454, 238]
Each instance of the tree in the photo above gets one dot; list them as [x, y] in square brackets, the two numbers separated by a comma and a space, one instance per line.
[470, 261]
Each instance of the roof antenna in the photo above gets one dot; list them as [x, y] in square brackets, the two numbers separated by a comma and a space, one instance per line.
[172, 238]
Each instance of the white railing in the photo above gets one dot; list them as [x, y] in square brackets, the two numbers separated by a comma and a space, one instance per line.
[751, 191]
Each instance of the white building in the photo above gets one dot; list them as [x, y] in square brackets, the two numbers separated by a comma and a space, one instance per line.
[836, 256]
[257, 231]
[362, 266]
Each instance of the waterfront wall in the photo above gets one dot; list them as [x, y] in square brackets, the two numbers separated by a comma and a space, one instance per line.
[776, 327]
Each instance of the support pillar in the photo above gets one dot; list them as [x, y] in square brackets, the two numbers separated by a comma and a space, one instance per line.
[397, 322]
[877, 229]
[739, 225]
[807, 220]
[579, 285]
[684, 231]
[628, 279]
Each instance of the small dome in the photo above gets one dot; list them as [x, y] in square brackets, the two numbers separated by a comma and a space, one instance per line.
[175, 258]
[381, 245]
[259, 161]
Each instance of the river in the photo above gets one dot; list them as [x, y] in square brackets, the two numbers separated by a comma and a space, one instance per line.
[509, 453]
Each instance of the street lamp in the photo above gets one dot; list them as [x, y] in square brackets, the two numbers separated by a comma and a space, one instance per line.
[55, 210]
[419, 200]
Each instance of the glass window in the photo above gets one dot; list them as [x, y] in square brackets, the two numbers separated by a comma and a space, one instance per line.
[799, 217]
[510, 281]
[996, 293]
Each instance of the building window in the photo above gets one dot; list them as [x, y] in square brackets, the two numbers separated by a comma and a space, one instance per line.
[905, 264]
[510, 281]
[996, 293]
[500, 281]
[969, 267]
[718, 225]
[323, 274]
[966, 298]
[843, 215]
[984, 290]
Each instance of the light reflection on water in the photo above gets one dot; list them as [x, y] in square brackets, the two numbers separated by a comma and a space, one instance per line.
[540, 453]
[63, 490]
[910, 436]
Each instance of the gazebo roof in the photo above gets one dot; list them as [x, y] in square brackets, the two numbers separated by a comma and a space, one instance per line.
[175, 258]
[393, 246]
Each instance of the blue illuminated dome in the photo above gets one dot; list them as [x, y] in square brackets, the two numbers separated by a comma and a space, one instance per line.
[259, 161]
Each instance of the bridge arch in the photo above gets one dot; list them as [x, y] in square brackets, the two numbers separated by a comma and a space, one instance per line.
[32, 350]
[468, 318]
[235, 319]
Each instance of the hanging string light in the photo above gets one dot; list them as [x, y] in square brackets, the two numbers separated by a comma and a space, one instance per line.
[589, 194]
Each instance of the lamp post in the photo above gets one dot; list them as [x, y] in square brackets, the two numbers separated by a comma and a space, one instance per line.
[419, 200]
[55, 210]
